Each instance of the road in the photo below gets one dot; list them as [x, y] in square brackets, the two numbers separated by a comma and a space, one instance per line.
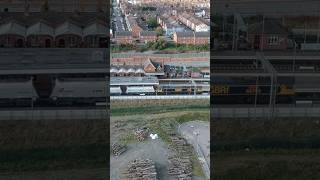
[117, 19]
[198, 134]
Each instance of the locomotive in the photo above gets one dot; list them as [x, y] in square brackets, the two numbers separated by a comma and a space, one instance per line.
[287, 90]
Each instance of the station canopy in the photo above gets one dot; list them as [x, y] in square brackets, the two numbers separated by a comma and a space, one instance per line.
[140, 89]
[115, 90]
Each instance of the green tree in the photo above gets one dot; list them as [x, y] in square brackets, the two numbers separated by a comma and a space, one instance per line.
[159, 31]
[149, 44]
[159, 44]
[152, 22]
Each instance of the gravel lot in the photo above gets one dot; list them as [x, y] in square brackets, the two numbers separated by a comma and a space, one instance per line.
[156, 150]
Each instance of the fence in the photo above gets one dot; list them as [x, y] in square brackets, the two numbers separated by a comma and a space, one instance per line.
[159, 101]
[90, 114]
[264, 112]
[160, 97]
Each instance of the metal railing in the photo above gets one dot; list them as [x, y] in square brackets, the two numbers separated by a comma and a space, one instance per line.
[160, 97]
[265, 112]
[90, 114]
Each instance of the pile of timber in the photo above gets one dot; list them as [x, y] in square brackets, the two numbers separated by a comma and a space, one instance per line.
[141, 169]
[141, 134]
[180, 165]
[180, 168]
[118, 149]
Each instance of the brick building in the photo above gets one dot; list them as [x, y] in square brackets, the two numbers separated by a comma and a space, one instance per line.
[190, 37]
[124, 37]
[201, 38]
[193, 22]
[148, 36]
[133, 26]
[169, 24]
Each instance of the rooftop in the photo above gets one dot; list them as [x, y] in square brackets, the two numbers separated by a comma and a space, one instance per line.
[148, 33]
[23, 59]
[123, 33]
[146, 80]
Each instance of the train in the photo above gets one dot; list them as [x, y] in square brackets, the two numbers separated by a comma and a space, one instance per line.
[287, 90]
[60, 93]
[162, 89]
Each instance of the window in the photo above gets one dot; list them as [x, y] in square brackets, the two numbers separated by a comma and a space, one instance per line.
[273, 40]
[72, 40]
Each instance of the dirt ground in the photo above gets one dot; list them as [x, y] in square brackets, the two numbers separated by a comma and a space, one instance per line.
[156, 150]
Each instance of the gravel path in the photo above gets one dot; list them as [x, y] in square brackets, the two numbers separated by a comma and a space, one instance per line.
[198, 134]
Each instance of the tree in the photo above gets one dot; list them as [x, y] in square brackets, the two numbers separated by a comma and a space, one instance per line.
[159, 44]
[149, 44]
[152, 22]
[159, 31]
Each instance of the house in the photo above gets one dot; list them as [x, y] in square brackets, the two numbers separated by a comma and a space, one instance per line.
[148, 36]
[153, 68]
[190, 37]
[183, 37]
[269, 35]
[123, 37]
[133, 26]
[169, 25]
[193, 22]
[202, 38]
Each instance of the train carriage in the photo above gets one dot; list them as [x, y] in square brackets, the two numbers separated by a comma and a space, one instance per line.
[79, 92]
[17, 93]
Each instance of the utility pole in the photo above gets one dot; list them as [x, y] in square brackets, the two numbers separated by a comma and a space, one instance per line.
[256, 97]
[234, 33]
[262, 35]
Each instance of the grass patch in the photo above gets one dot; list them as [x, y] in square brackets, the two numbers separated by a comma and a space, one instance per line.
[87, 156]
[196, 167]
[128, 139]
[266, 149]
[265, 165]
[154, 109]
[158, 127]
[265, 134]
[203, 116]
